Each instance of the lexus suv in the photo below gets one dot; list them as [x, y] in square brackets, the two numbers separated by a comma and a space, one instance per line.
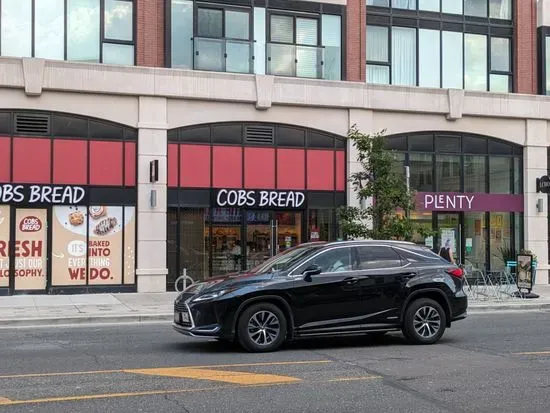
[328, 289]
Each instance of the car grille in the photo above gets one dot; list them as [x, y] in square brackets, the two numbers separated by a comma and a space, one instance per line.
[180, 307]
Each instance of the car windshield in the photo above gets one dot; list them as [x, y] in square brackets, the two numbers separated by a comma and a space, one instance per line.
[285, 260]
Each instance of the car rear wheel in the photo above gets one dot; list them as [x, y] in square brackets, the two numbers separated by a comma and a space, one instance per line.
[262, 327]
[424, 322]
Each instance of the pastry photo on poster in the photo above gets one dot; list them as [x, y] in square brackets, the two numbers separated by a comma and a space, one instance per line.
[69, 245]
[104, 225]
[105, 248]
[4, 242]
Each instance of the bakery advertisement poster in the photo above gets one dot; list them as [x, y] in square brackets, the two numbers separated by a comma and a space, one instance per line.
[30, 249]
[69, 245]
[104, 251]
[105, 226]
[130, 245]
[4, 242]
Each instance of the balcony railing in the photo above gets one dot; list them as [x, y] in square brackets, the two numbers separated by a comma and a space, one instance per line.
[223, 55]
[237, 56]
[295, 61]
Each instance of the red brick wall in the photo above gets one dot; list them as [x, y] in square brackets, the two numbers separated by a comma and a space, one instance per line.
[525, 47]
[356, 28]
[150, 33]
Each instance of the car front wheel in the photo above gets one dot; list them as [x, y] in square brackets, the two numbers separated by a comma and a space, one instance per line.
[424, 321]
[262, 327]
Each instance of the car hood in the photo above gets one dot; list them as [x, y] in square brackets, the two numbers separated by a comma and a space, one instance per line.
[229, 281]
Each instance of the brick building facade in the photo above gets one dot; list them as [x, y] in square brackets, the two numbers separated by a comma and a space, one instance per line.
[176, 108]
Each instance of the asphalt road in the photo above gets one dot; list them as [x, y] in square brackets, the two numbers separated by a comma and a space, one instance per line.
[476, 367]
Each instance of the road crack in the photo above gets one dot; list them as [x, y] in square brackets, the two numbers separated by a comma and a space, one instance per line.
[399, 385]
[177, 402]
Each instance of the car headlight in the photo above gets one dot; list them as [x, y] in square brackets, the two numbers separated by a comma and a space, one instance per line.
[212, 295]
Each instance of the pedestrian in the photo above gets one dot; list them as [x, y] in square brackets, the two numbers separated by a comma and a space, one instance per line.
[446, 252]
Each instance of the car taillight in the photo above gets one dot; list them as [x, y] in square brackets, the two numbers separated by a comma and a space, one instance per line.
[456, 272]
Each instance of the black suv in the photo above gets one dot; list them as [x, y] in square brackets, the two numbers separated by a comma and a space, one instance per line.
[328, 289]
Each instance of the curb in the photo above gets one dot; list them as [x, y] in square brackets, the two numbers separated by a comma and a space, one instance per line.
[167, 317]
[82, 320]
[482, 308]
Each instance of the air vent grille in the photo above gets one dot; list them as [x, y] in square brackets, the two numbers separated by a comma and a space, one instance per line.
[32, 124]
[259, 134]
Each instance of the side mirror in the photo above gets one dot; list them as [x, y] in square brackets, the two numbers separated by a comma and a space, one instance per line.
[313, 269]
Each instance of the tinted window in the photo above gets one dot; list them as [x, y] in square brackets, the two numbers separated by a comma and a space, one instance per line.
[5, 122]
[375, 257]
[398, 143]
[421, 143]
[70, 126]
[227, 134]
[290, 137]
[105, 131]
[334, 260]
[201, 134]
[318, 140]
[420, 255]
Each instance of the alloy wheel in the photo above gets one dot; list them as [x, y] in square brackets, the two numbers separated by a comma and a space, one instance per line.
[264, 328]
[427, 322]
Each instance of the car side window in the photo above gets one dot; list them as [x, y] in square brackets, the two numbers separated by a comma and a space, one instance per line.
[376, 257]
[331, 261]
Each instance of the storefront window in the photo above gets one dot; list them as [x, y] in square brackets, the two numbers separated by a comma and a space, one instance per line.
[194, 233]
[109, 257]
[321, 223]
[475, 175]
[475, 240]
[421, 170]
[517, 176]
[398, 165]
[226, 240]
[500, 175]
[500, 241]
[4, 241]
[448, 172]
[424, 219]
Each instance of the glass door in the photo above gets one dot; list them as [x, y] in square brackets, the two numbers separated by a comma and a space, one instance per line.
[269, 233]
[449, 231]
[30, 262]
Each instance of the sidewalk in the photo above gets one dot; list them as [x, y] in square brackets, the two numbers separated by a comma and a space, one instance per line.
[45, 310]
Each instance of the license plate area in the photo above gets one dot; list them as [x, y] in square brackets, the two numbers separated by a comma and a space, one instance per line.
[182, 318]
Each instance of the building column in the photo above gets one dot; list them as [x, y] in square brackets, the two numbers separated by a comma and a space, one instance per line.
[535, 222]
[151, 225]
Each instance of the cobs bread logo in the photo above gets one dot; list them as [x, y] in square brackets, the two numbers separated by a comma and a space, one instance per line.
[30, 224]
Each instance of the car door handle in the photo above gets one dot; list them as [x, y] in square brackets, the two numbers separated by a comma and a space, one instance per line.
[351, 280]
[408, 274]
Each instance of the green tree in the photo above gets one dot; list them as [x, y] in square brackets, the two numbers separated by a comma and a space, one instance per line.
[387, 215]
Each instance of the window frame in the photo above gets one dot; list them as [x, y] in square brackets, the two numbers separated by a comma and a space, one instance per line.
[293, 274]
[516, 152]
[417, 19]
[223, 8]
[102, 38]
[402, 261]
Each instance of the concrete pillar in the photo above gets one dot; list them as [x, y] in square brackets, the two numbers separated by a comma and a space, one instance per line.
[151, 228]
[536, 223]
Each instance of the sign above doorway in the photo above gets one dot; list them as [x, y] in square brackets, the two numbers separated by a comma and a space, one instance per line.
[42, 194]
[468, 202]
[242, 198]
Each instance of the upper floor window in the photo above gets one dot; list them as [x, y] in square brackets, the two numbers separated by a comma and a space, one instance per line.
[77, 30]
[495, 9]
[240, 39]
[416, 47]
[452, 162]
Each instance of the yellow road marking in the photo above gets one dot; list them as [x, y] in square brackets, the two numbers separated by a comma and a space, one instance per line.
[533, 353]
[160, 392]
[4, 400]
[234, 377]
[216, 366]
[353, 378]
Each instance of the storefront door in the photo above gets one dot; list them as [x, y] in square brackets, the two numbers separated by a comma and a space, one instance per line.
[269, 233]
[27, 257]
[449, 233]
